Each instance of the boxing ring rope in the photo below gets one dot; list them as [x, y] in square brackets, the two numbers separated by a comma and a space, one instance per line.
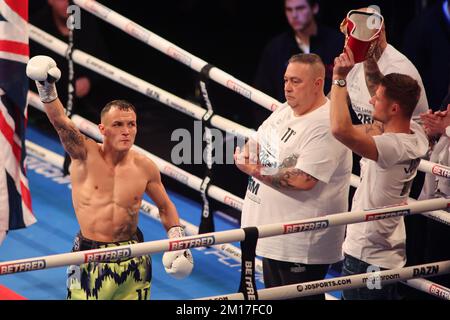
[212, 238]
[349, 282]
[434, 168]
[137, 84]
[437, 215]
[430, 288]
[178, 53]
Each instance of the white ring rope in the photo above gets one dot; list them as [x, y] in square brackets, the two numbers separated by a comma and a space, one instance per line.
[437, 215]
[434, 168]
[147, 208]
[430, 287]
[343, 283]
[136, 84]
[177, 53]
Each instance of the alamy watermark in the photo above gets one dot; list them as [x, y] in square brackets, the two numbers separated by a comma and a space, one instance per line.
[73, 281]
[374, 280]
[190, 148]
[226, 148]
[374, 21]
[74, 19]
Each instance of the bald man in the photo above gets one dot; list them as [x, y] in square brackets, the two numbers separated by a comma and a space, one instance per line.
[297, 171]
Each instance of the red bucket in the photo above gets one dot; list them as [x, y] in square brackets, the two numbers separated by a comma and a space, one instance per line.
[361, 27]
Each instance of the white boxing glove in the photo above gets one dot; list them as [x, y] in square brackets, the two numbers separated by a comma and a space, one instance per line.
[178, 264]
[44, 71]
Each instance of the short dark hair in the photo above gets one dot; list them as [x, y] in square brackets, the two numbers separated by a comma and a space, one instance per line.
[119, 104]
[402, 89]
[311, 59]
[306, 58]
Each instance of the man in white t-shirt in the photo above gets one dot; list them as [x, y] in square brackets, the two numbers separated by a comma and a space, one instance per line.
[297, 171]
[391, 152]
[362, 81]
[364, 78]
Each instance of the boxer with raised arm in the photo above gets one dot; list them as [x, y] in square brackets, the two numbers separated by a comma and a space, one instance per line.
[108, 183]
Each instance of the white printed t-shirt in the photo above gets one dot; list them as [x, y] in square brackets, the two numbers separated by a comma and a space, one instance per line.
[306, 143]
[385, 182]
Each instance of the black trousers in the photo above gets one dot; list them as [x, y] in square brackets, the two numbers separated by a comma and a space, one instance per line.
[280, 273]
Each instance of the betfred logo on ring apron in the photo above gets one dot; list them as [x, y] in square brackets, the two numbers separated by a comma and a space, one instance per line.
[361, 27]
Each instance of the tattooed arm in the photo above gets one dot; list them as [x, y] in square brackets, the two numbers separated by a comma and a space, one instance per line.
[74, 142]
[372, 72]
[372, 129]
[372, 75]
[288, 178]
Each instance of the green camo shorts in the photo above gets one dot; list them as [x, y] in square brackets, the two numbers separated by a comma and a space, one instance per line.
[128, 279]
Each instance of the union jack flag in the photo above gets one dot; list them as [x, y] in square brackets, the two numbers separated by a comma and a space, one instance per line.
[15, 198]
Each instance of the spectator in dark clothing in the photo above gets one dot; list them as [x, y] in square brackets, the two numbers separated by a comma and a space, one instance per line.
[427, 44]
[52, 19]
[305, 36]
